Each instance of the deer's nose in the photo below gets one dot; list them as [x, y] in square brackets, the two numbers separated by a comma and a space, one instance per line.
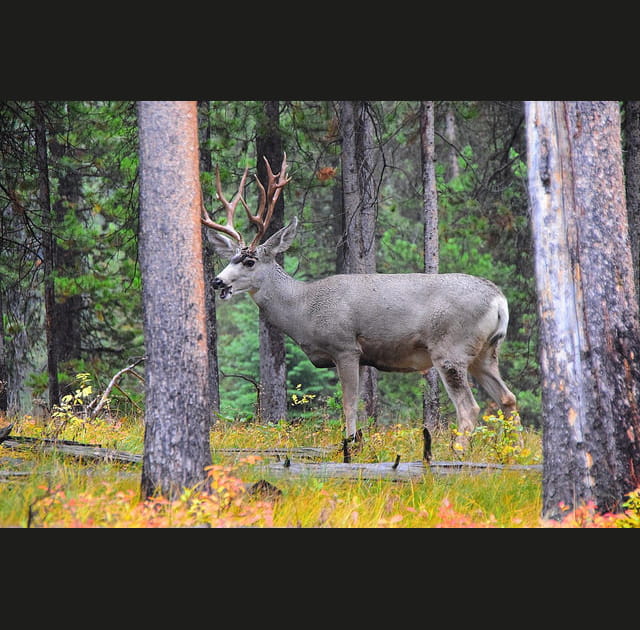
[217, 283]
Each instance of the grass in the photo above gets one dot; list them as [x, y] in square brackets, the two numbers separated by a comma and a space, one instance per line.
[65, 492]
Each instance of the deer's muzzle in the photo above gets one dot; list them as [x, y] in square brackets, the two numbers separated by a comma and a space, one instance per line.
[225, 289]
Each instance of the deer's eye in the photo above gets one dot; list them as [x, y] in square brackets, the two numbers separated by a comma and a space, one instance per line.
[248, 262]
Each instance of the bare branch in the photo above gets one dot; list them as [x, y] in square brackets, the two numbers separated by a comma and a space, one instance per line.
[105, 396]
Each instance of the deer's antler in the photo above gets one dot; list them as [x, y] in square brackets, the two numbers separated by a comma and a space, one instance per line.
[267, 200]
[230, 207]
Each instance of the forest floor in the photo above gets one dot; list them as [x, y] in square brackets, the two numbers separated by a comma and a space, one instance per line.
[86, 473]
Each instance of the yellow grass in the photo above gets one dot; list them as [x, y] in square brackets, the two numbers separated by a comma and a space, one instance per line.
[64, 492]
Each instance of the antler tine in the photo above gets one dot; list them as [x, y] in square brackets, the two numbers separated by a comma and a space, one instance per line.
[230, 208]
[257, 219]
[279, 185]
[268, 199]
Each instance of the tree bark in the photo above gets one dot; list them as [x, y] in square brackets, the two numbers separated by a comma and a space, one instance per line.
[451, 137]
[4, 370]
[273, 365]
[206, 165]
[68, 310]
[357, 249]
[632, 181]
[589, 335]
[431, 398]
[177, 396]
[44, 201]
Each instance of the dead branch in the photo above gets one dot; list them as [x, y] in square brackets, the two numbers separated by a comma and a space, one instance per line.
[113, 383]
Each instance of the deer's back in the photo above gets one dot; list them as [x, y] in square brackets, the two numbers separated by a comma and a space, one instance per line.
[368, 298]
[384, 315]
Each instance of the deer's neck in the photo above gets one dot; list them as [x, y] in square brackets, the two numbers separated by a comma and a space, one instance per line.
[280, 298]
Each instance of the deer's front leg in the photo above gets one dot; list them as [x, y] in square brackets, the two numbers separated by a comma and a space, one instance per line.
[348, 373]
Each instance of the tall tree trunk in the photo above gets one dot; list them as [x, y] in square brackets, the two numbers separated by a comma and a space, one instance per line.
[4, 370]
[632, 181]
[177, 396]
[589, 335]
[44, 201]
[431, 398]
[206, 165]
[273, 365]
[68, 310]
[357, 250]
[451, 137]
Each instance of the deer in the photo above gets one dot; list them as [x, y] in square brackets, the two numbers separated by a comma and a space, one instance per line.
[407, 322]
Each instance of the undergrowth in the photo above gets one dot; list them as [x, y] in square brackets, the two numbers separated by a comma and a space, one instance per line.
[63, 492]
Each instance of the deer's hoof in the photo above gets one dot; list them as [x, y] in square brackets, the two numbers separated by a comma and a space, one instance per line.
[460, 444]
[351, 445]
[426, 450]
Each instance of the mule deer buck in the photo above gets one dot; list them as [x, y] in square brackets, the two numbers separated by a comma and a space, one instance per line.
[394, 322]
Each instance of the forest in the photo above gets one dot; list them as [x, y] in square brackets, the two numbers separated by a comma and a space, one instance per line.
[87, 230]
[71, 293]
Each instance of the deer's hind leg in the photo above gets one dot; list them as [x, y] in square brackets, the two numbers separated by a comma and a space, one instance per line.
[486, 371]
[454, 375]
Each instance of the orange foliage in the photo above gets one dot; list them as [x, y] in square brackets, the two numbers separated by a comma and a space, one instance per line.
[586, 517]
[326, 173]
[225, 505]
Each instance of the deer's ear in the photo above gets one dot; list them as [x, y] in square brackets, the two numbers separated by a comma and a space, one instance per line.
[281, 240]
[225, 247]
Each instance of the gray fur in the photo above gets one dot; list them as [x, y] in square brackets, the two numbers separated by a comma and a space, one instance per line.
[394, 322]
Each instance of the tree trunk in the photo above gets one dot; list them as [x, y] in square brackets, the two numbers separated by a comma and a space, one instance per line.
[357, 250]
[44, 201]
[68, 310]
[589, 336]
[451, 137]
[632, 181]
[206, 165]
[4, 370]
[273, 365]
[431, 398]
[177, 396]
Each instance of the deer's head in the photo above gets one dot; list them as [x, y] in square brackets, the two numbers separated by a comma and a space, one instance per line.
[248, 265]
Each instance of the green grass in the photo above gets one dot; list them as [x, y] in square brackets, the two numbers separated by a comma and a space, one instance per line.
[455, 501]
[65, 492]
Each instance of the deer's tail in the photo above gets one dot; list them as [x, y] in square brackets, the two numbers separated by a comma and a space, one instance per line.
[502, 321]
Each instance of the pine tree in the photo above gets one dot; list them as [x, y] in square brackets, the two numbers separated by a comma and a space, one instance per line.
[178, 401]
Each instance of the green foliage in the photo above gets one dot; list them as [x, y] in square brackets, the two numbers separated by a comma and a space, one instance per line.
[483, 228]
[632, 511]
[480, 227]
[503, 437]
[480, 241]
[71, 414]
[93, 197]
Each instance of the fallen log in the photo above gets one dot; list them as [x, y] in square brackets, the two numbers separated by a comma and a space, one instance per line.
[13, 475]
[280, 453]
[68, 447]
[389, 471]
[97, 452]
[4, 432]
[284, 467]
